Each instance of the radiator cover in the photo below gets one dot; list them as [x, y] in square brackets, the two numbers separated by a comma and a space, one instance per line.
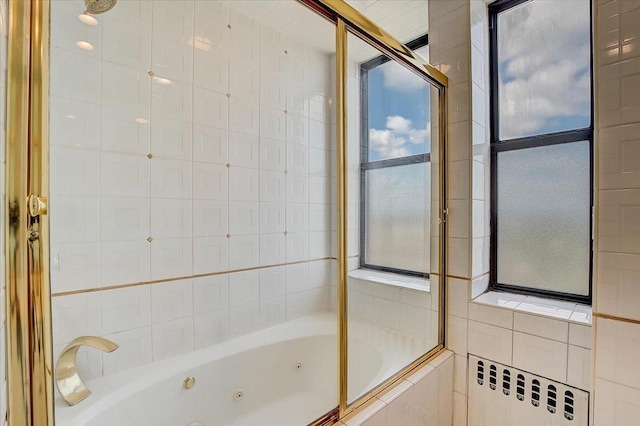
[500, 395]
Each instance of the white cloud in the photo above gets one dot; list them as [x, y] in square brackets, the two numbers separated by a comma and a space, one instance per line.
[392, 142]
[400, 78]
[387, 144]
[398, 124]
[544, 57]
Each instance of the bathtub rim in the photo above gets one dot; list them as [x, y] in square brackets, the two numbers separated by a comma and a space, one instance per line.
[108, 391]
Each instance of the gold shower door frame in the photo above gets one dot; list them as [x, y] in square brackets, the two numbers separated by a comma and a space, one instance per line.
[28, 301]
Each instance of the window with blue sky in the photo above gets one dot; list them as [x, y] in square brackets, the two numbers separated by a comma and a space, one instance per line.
[544, 59]
[396, 168]
[542, 144]
[398, 115]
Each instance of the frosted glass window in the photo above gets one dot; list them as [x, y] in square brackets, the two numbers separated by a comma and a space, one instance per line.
[541, 113]
[396, 155]
[544, 56]
[397, 212]
[543, 232]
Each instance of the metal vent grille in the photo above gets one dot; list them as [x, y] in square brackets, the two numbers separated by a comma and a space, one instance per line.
[537, 401]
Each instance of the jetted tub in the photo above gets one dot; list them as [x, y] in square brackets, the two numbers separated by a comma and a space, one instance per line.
[283, 375]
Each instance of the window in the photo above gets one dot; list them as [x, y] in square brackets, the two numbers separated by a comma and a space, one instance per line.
[395, 166]
[541, 148]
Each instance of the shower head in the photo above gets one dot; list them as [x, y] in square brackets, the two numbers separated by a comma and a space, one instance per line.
[95, 7]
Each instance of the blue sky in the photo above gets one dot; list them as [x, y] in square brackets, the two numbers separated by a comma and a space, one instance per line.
[545, 81]
[544, 55]
[398, 113]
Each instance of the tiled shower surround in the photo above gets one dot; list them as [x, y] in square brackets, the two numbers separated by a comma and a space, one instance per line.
[190, 141]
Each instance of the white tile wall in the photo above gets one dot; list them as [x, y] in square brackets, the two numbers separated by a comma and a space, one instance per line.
[210, 255]
[172, 300]
[210, 328]
[147, 320]
[210, 293]
[406, 310]
[244, 319]
[617, 275]
[319, 244]
[208, 155]
[616, 404]
[617, 121]
[458, 297]
[540, 343]
[469, 327]
[122, 309]
[580, 335]
[541, 326]
[171, 258]
[493, 342]
[244, 217]
[579, 368]
[272, 249]
[457, 334]
[616, 348]
[135, 350]
[82, 265]
[545, 357]
[210, 218]
[76, 121]
[374, 415]
[171, 138]
[172, 338]
[425, 397]
[244, 288]
[211, 182]
[272, 282]
[76, 315]
[491, 315]
[129, 32]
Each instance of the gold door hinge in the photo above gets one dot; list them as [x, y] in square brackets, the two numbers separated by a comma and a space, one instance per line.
[443, 215]
[37, 205]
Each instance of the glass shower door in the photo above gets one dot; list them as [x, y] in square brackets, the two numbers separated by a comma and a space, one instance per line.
[198, 196]
[191, 167]
[394, 188]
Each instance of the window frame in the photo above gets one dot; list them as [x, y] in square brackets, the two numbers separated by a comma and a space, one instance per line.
[365, 164]
[539, 140]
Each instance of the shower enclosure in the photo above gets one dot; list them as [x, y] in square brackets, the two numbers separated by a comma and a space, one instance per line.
[220, 177]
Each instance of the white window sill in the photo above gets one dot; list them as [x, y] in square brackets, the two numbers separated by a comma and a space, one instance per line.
[556, 309]
[388, 278]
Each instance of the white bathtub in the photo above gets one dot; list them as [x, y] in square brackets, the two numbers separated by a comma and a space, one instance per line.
[261, 364]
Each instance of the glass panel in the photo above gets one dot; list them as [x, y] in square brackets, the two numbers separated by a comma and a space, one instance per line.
[544, 55]
[393, 318]
[544, 216]
[397, 213]
[237, 117]
[398, 115]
